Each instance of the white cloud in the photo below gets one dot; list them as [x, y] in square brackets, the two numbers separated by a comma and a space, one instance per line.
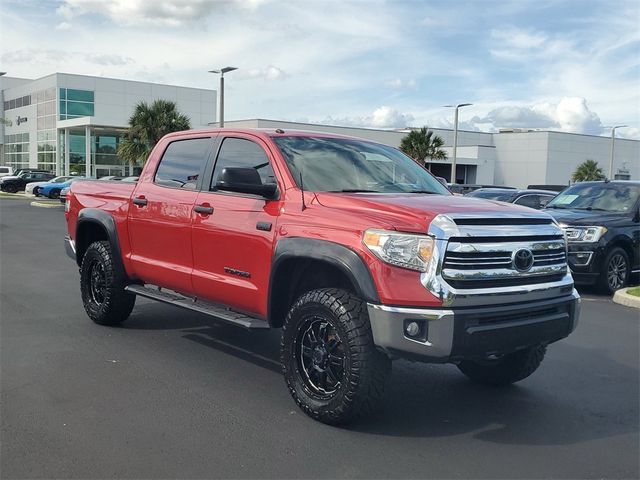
[63, 26]
[400, 84]
[270, 72]
[167, 13]
[382, 117]
[569, 114]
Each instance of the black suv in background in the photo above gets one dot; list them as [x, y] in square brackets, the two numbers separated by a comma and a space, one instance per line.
[602, 224]
[15, 184]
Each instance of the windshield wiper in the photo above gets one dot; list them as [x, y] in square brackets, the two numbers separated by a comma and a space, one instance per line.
[353, 190]
[592, 208]
[556, 206]
[421, 191]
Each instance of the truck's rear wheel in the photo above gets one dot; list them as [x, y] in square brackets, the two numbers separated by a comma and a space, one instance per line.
[331, 365]
[103, 295]
[506, 369]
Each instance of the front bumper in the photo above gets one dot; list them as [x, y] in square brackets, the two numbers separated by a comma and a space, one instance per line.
[449, 335]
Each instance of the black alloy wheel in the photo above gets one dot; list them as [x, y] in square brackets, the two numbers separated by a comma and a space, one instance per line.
[320, 356]
[617, 269]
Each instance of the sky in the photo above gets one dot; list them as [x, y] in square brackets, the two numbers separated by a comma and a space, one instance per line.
[570, 66]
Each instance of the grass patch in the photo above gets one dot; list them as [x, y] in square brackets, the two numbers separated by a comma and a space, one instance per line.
[635, 291]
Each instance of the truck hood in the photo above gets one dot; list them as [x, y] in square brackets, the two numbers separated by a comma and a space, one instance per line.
[414, 211]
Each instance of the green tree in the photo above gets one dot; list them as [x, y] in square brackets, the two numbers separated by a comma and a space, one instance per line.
[422, 145]
[147, 125]
[588, 171]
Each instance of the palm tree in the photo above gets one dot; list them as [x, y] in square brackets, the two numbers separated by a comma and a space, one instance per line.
[422, 145]
[588, 171]
[147, 125]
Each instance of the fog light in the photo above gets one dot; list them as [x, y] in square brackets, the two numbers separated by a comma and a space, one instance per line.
[580, 259]
[412, 329]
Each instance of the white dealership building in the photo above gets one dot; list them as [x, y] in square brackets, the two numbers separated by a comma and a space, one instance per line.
[73, 123]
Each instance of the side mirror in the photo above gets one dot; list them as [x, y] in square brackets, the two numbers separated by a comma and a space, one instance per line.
[245, 180]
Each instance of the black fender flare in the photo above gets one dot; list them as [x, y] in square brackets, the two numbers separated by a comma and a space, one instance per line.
[105, 221]
[339, 256]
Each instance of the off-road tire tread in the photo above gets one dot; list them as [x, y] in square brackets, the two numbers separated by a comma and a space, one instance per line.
[369, 367]
[118, 303]
[510, 369]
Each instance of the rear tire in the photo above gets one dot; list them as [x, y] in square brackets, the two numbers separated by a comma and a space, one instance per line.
[330, 363]
[54, 193]
[615, 271]
[507, 369]
[103, 295]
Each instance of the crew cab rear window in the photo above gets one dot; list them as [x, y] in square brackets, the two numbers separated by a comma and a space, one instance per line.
[182, 163]
[239, 152]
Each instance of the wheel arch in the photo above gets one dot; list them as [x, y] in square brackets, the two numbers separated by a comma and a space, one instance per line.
[302, 264]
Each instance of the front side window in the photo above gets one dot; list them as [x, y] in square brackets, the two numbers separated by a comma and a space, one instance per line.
[530, 201]
[242, 153]
[344, 165]
[182, 163]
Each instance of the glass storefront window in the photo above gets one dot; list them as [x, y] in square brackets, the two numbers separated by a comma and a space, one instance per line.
[78, 108]
[80, 95]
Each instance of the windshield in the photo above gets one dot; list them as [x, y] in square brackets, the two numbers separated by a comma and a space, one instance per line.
[491, 195]
[610, 197]
[346, 165]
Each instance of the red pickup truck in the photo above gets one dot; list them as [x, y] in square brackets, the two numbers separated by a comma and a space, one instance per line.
[359, 254]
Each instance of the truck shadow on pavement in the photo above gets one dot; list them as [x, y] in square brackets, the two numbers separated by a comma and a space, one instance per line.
[565, 402]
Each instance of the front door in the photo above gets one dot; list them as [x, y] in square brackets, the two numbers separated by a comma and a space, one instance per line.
[233, 245]
[161, 213]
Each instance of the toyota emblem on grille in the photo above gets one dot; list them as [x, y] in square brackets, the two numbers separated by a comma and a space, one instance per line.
[522, 260]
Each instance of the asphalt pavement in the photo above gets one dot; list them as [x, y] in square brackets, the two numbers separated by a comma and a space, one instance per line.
[173, 394]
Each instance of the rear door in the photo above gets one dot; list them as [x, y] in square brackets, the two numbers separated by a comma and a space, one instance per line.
[232, 245]
[161, 212]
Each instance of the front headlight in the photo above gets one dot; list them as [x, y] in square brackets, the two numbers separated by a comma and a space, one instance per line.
[401, 249]
[584, 234]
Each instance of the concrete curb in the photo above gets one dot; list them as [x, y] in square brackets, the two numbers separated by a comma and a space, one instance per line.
[623, 298]
[47, 205]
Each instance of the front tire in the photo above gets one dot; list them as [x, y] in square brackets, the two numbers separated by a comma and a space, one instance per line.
[54, 194]
[103, 295]
[505, 370]
[615, 271]
[330, 363]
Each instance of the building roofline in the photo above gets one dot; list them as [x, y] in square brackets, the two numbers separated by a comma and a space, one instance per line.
[134, 81]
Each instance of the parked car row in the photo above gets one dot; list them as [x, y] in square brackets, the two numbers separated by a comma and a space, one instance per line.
[44, 183]
[601, 221]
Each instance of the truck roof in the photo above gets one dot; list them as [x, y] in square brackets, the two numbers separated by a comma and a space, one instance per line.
[266, 132]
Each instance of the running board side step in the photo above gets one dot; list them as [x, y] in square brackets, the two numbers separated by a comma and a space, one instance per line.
[221, 313]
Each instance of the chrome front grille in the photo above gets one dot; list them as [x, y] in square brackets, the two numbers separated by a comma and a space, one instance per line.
[490, 261]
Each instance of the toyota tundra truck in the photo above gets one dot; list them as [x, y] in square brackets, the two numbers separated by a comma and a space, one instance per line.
[354, 250]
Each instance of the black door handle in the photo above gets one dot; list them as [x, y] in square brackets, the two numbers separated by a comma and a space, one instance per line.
[140, 201]
[203, 209]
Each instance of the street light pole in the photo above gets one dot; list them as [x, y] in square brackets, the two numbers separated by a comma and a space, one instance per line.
[455, 139]
[613, 139]
[222, 71]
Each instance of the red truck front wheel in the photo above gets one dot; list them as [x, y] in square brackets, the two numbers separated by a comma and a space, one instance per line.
[331, 365]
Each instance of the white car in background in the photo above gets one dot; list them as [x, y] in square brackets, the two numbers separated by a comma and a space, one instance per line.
[32, 188]
[5, 171]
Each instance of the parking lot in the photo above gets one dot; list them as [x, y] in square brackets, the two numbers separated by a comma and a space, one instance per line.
[173, 394]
